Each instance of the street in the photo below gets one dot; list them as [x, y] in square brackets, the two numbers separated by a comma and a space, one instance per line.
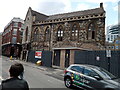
[62, 45]
[36, 78]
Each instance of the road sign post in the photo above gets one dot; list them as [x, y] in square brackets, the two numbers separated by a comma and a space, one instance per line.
[98, 60]
[108, 55]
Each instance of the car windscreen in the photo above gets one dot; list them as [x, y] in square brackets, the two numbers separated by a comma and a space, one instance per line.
[105, 74]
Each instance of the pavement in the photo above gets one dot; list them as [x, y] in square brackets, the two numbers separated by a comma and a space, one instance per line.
[53, 71]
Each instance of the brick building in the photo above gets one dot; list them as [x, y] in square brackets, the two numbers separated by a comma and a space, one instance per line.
[12, 38]
[64, 33]
[117, 44]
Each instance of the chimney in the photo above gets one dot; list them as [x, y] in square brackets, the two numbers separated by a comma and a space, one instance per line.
[101, 5]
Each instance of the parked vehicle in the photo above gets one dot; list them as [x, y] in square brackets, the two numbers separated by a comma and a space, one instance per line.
[90, 77]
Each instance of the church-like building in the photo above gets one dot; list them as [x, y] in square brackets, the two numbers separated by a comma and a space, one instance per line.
[64, 33]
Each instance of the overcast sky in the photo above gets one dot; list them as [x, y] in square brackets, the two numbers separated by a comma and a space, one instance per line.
[19, 8]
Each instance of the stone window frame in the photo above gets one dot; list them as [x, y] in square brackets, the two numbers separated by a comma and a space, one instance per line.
[26, 34]
[47, 34]
[35, 34]
[60, 33]
[91, 31]
[74, 32]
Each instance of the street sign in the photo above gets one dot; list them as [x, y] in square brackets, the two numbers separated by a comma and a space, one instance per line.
[97, 58]
[108, 53]
[38, 54]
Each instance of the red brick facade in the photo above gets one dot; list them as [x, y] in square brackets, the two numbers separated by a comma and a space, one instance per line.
[12, 37]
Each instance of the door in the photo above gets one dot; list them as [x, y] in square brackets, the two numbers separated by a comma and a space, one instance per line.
[24, 55]
[56, 60]
[67, 58]
[12, 51]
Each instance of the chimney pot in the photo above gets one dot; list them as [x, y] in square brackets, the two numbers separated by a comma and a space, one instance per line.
[101, 5]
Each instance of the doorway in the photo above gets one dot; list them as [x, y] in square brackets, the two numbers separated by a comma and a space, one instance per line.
[56, 60]
[24, 55]
[67, 58]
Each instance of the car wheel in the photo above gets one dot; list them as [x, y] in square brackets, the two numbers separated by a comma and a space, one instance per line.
[68, 82]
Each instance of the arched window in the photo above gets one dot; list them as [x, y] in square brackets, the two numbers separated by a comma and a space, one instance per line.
[60, 33]
[36, 34]
[26, 34]
[47, 34]
[74, 33]
[91, 31]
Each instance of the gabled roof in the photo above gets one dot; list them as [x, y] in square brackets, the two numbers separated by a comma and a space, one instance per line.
[39, 16]
[78, 13]
[43, 17]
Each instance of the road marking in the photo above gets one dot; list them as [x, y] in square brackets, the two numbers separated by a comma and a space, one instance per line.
[50, 81]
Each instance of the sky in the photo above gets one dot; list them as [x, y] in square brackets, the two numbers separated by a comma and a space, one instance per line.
[19, 8]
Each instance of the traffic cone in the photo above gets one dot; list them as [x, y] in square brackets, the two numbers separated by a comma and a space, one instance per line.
[10, 57]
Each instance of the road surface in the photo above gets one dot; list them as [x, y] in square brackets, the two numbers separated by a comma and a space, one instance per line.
[35, 77]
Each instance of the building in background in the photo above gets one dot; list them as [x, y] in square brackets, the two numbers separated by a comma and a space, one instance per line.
[112, 33]
[12, 37]
[117, 43]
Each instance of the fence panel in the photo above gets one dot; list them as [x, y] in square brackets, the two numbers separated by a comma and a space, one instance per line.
[100, 59]
[118, 64]
[47, 58]
[90, 57]
[80, 57]
[31, 56]
[114, 63]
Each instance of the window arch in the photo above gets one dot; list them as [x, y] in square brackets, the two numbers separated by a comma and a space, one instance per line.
[47, 34]
[60, 33]
[91, 31]
[74, 32]
[36, 34]
[26, 34]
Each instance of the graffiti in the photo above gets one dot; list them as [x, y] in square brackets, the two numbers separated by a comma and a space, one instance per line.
[78, 78]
